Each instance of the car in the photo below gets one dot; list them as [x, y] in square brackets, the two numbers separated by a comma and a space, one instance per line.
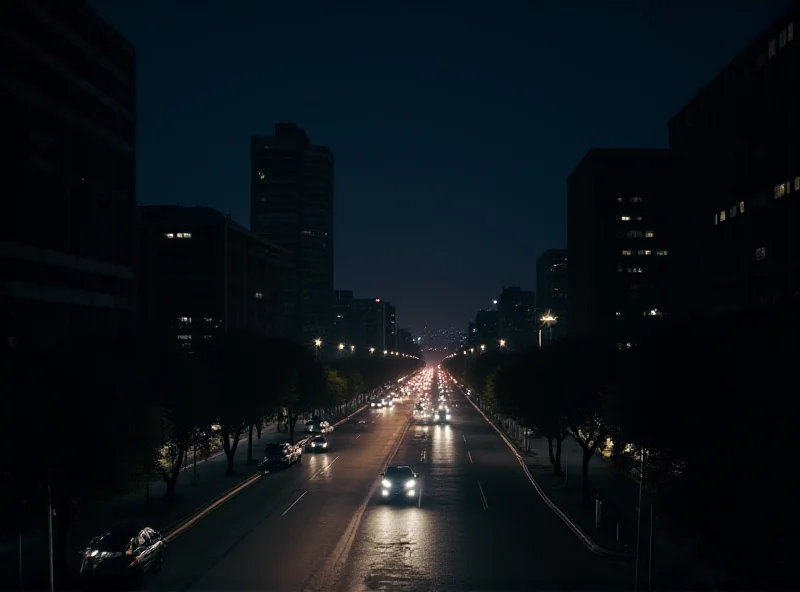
[123, 552]
[441, 416]
[281, 454]
[399, 482]
[318, 444]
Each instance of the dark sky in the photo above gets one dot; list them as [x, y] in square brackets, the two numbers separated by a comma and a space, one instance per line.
[454, 124]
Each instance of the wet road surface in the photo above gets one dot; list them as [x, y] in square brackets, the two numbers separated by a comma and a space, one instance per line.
[477, 524]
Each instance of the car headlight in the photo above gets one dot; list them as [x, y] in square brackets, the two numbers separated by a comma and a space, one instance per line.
[410, 483]
[448, 416]
[386, 483]
[325, 445]
[313, 445]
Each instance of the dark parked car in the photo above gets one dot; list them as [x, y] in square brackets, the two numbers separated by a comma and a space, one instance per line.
[123, 553]
[283, 454]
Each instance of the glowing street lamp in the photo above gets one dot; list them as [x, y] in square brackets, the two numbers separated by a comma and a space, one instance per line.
[317, 345]
[385, 352]
[547, 319]
[341, 346]
[502, 343]
[483, 348]
[371, 350]
[352, 348]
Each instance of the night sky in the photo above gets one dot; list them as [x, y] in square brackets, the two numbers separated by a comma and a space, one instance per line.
[454, 125]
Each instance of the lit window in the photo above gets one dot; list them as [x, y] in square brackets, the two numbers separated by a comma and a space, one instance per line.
[184, 235]
[184, 337]
[732, 211]
[790, 32]
[619, 200]
[782, 38]
[619, 266]
[644, 252]
[797, 183]
[626, 252]
[649, 234]
[771, 50]
[618, 313]
[634, 270]
[722, 216]
[637, 217]
[260, 175]
[780, 190]
[741, 207]
[184, 319]
[624, 218]
[761, 253]
[662, 252]
[635, 234]
[716, 218]
[636, 199]
[259, 295]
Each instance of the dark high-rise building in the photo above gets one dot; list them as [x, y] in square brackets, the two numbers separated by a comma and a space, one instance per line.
[618, 243]
[407, 344]
[736, 147]
[67, 114]
[363, 324]
[551, 289]
[486, 329]
[201, 274]
[516, 317]
[291, 205]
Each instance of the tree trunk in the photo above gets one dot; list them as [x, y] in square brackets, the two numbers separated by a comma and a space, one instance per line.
[250, 444]
[229, 446]
[258, 429]
[558, 469]
[171, 478]
[588, 451]
[550, 451]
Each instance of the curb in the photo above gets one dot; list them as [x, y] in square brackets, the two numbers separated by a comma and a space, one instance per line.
[576, 530]
[177, 528]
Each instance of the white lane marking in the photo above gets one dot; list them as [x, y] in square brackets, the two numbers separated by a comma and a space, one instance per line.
[465, 438]
[483, 497]
[470, 457]
[357, 437]
[325, 468]
[295, 502]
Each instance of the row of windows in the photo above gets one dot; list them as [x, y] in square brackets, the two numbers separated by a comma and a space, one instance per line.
[630, 199]
[785, 36]
[627, 218]
[178, 234]
[780, 190]
[636, 234]
[661, 252]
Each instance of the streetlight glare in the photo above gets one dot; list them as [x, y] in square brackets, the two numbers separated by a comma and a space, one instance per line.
[318, 342]
[341, 346]
[502, 343]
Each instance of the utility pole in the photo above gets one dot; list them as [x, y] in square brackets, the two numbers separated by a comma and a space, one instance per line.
[50, 530]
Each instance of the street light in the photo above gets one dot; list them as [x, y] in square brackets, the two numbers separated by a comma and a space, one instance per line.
[547, 319]
[341, 346]
[502, 343]
[352, 348]
[483, 348]
[317, 345]
[371, 350]
[385, 352]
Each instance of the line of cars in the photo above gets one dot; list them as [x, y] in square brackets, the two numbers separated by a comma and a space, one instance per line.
[124, 553]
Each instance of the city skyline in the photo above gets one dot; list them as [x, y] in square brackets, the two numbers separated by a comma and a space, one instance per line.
[387, 179]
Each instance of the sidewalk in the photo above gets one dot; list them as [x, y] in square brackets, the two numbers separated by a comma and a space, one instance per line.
[675, 565]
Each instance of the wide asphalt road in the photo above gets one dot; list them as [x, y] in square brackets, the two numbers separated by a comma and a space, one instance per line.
[477, 525]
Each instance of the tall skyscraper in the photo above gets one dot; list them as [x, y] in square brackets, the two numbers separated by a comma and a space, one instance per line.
[67, 114]
[618, 243]
[291, 205]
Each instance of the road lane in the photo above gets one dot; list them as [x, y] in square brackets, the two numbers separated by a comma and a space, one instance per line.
[479, 524]
[277, 532]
